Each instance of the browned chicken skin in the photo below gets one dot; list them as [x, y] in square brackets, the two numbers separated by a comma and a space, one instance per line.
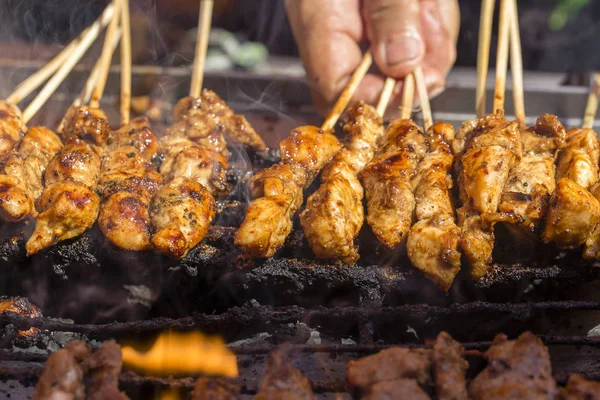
[87, 123]
[334, 213]
[278, 190]
[578, 160]
[488, 149]
[432, 244]
[22, 171]
[128, 182]
[386, 179]
[11, 126]
[104, 367]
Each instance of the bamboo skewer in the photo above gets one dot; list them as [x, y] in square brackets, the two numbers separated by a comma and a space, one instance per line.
[386, 95]
[502, 55]
[591, 107]
[82, 46]
[348, 92]
[106, 56]
[423, 97]
[125, 64]
[408, 96]
[483, 53]
[204, 23]
[516, 66]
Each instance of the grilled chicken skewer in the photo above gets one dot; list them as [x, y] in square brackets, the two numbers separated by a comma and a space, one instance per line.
[432, 244]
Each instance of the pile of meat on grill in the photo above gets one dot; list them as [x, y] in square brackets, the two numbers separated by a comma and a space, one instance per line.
[516, 369]
[150, 193]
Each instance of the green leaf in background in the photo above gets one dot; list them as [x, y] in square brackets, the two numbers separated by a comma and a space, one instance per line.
[563, 11]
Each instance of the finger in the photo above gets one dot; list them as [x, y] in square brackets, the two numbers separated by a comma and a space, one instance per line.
[393, 28]
[327, 33]
[439, 26]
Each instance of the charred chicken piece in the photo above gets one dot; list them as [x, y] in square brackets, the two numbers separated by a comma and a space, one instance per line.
[68, 205]
[22, 307]
[281, 381]
[386, 179]
[104, 367]
[487, 150]
[214, 389]
[278, 190]
[450, 368]
[87, 123]
[579, 388]
[396, 389]
[532, 180]
[389, 365]
[578, 160]
[432, 244]
[334, 213]
[11, 126]
[128, 182]
[517, 369]
[234, 126]
[63, 375]
[22, 171]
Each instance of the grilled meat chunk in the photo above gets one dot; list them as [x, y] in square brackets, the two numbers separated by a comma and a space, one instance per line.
[11, 126]
[578, 160]
[281, 381]
[87, 123]
[396, 389]
[487, 149]
[278, 190]
[517, 369]
[432, 244]
[532, 180]
[579, 388]
[389, 365]
[386, 179]
[63, 375]
[214, 389]
[128, 182]
[104, 367]
[234, 126]
[450, 368]
[22, 307]
[21, 173]
[334, 213]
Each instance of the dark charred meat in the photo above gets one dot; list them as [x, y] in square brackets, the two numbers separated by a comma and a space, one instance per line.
[281, 381]
[214, 389]
[104, 367]
[87, 123]
[396, 389]
[22, 307]
[277, 191]
[517, 369]
[11, 126]
[579, 388]
[386, 179]
[334, 213]
[449, 368]
[63, 374]
[389, 365]
[432, 244]
[487, 149]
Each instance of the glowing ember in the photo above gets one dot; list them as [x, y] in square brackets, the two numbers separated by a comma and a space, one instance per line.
[170, 394]
[183, 354]
[22, 307]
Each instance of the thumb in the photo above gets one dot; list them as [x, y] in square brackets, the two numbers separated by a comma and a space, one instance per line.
[393, 28]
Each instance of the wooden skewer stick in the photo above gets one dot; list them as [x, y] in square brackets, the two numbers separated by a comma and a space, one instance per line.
[125, 64]
[204, 23]
[516, 66]
[348, 92]
[423, 98]
[591, 107]
[408, 96]
[483, 53]
[80, 49]
[106, 56]
[386, 95]
[502, 55]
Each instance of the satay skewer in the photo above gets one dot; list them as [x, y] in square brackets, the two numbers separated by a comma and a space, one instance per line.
[506, 17]
[483, 54]
[204, 24]
[423, 97]
[125, 64]
[408, 97]
[386, 95]
[591, 108]
[516, 66]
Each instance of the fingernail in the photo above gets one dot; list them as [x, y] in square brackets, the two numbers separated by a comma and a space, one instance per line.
[402, 47]
[436, 91]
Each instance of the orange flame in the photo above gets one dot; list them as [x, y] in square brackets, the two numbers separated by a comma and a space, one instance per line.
[170, 394]
[183, 354]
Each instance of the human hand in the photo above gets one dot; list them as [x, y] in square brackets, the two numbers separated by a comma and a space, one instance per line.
[402, 34]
